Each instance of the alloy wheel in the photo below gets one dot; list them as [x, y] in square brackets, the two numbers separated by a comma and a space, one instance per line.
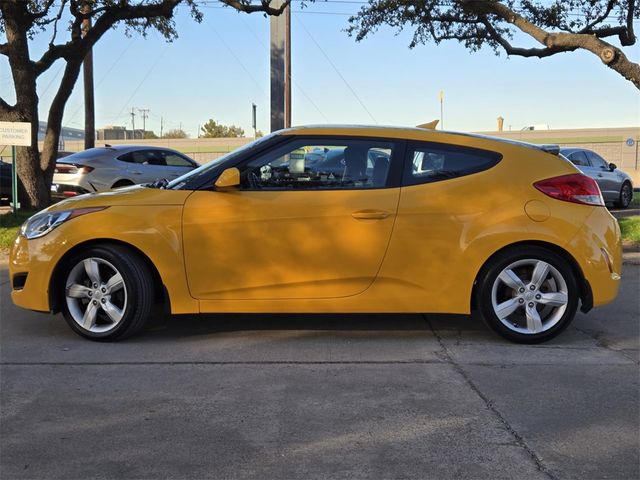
[96, 295]
[529, 296]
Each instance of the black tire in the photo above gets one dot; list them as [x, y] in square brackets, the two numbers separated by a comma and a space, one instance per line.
[138, 285]
[122, 183]
[498, 263]
[626, 194]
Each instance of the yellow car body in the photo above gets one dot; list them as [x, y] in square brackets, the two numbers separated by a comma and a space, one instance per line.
[415, 248]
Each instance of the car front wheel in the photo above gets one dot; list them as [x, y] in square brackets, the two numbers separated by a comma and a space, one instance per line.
[108, 293]
[528, 295]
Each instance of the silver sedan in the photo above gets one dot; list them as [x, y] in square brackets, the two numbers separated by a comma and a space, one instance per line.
[616, 186]
[104, 168]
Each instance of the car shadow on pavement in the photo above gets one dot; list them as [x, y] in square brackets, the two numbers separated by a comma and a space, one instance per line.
[176, 326]
[450, 328]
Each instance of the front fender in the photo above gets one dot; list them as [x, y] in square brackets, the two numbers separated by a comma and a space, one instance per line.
[154, 230]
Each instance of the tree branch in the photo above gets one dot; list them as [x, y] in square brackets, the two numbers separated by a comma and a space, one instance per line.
[608, 31]
[42, 13]
[588, 28]
[79, 46]
[55, 22]
[264, 6]
[554, 43]
[630, 37]
[521, 52]
[5, 108]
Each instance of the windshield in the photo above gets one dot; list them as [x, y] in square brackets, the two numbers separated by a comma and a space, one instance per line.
[204, 169]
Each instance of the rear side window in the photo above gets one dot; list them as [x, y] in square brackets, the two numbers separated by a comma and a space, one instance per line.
[578, 158]
[432, 162]
[127, 157]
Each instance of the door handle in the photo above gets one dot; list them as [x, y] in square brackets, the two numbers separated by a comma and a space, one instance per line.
[136, 172]
[370, 215]
[600, 175]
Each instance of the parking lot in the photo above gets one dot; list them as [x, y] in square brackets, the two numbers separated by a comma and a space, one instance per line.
[357, 396]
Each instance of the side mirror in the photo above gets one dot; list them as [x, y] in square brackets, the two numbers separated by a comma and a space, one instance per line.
[228, 178]
[612, 166]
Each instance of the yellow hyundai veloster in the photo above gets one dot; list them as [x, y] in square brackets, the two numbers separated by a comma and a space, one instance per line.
[333, 219]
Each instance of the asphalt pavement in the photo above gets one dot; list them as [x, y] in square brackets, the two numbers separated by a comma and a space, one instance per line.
[321, 396]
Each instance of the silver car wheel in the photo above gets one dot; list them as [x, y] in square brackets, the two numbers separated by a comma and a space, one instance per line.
[529, 296]
[96, 295]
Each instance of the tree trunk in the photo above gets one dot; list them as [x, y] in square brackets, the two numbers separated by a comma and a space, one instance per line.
[35, 170]
[54, 120]
[36, 191]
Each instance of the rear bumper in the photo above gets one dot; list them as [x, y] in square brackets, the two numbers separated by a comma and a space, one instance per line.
[598, 249]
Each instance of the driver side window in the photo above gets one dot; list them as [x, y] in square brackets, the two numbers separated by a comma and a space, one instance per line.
[597, 161]
[320, 165]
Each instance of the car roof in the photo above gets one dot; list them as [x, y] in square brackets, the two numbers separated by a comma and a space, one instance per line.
[128, 147]
[406, 133]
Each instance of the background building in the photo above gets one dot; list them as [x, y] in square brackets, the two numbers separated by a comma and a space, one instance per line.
[114, 132]
[66, 134]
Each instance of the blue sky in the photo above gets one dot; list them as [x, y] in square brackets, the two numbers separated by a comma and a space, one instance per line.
[216, 69]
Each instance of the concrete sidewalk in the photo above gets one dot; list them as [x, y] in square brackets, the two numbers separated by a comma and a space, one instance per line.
[318, 396]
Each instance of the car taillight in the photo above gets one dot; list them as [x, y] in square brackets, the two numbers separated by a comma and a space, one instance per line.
[73, 169]
[575, 187]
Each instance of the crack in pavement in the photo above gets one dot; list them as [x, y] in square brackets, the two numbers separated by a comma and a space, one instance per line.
[520, 441]
[602, 343]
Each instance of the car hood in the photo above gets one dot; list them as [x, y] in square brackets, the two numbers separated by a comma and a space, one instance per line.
[135, 195]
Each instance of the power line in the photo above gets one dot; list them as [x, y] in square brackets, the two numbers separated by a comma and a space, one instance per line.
[230, 50]
[293, 80]
[336, 69]
[102, 78]
[162, 52]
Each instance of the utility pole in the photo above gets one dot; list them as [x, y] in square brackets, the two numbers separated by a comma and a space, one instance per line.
[87, 74]
[441, 109]
[280, 68]
[254, 108]
[161, 125]
[287, 67]
[144, 112]
[133, 122]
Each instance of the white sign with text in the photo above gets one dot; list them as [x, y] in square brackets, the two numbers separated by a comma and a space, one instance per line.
[15, 134]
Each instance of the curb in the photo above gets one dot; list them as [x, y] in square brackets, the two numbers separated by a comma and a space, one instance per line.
[630, 255]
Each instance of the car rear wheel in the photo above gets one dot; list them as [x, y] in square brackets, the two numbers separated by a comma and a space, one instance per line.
[626, 194]
[528, 295]
[108, 293]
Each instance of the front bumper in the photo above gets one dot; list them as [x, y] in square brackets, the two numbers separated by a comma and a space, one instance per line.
[30, 268]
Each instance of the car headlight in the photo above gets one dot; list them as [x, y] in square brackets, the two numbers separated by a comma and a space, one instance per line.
[42, 223]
